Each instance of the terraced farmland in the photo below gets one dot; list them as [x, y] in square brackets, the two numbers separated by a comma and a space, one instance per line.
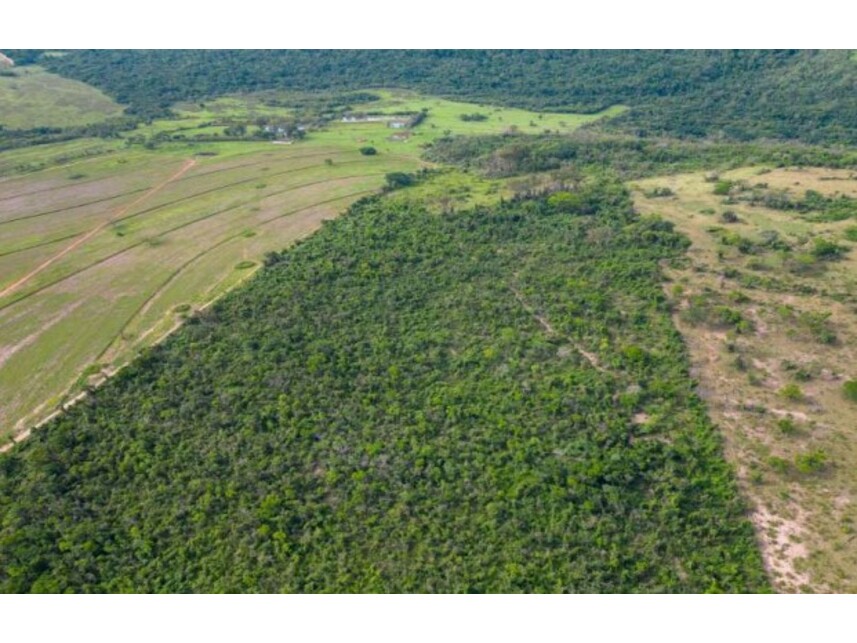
[101, 258]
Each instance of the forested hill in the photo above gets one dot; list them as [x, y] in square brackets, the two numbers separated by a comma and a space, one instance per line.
[806, 95]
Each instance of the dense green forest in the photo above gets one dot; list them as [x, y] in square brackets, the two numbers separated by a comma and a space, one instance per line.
[493, 400]
[740, 95]
[628, 156]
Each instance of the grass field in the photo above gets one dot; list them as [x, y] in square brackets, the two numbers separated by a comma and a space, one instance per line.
[446, 115]
[34, 98]
[443, 118]
[106, 247]
[774, 383]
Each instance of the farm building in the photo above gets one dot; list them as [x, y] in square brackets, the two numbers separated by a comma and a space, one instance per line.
[364, 118]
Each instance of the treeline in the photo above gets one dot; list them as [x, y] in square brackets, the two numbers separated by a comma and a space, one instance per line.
[494, 400]
[740, 95]
[108, 129]
[629, 157]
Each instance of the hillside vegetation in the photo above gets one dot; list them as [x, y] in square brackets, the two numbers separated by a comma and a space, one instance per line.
[782, 94]
[490, 400]
[31, 97]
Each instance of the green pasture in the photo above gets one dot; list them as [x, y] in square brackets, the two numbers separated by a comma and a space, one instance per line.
[444, 116]
[34, 97]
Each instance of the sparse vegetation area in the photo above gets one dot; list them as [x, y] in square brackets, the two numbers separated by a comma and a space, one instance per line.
[778, 387]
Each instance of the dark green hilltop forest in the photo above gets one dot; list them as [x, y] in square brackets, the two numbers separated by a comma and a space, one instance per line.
[404, 402]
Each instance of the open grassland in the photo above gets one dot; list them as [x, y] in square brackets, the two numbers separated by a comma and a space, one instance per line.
[33, 97]
[445, 116]
[769, 313]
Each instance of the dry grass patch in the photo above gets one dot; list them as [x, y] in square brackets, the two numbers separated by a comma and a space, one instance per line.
[772, 343]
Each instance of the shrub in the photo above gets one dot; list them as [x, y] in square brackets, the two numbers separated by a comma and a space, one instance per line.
[701, 311]
[826, 249]
[811, 462]
[744, 245]
[634, 353]
[368, 150]
[722, 187]
[818, 325]
[799, 264]
[780, 465]
[730, 317]
[566, 202]
[659, 192]
[729, 216]
[851, 233]
[792, 392]
[802, 375]
[787, 426]
[399, 180]
[850, 390]
[475, 117]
